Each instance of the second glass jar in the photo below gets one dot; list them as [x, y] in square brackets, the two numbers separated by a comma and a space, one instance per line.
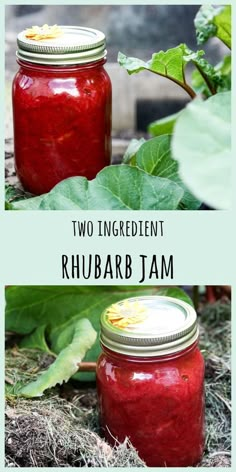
[150, 380]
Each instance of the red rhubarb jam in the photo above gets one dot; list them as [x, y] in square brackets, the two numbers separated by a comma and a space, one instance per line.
[150, 380]
[61, 107]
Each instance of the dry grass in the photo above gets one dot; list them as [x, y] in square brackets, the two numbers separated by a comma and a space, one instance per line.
[215, 341]
[55, 431]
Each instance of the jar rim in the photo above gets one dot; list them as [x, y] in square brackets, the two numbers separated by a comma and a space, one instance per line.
[152, 326]
[76, 45]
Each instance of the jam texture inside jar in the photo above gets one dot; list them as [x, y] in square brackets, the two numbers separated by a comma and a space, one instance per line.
[61, 108]
[150, 380]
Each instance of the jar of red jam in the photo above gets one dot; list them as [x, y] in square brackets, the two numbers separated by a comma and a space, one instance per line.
[61, 106]
[150, 380]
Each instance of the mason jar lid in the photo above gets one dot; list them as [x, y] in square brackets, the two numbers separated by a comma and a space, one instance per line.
[149, 326]
[61, 45]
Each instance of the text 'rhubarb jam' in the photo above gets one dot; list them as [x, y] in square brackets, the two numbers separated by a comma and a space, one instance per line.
[61, 106]
[150, 380]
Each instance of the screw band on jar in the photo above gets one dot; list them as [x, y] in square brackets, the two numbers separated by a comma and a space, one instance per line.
[75, 45]
[149, 326]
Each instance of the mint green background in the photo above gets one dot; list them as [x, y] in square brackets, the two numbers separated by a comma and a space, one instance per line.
[203, 243]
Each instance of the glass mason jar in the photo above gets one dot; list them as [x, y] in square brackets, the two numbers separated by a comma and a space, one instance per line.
[61, 108]
[150, 380]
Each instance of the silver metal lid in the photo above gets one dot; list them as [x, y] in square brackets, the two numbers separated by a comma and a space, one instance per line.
[71, 45]
[149, 326]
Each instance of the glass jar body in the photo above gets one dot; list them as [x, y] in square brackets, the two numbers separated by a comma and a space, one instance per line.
[62, 123]
[157, 402]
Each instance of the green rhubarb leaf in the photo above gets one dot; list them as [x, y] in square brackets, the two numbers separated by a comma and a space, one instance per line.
[224, 69]
[175, 292]
[220, 79]
[164, 125]
[155, 158]
[212, 78]
[170, 64]
[66, 364]
[36, 340]
[213, 21]
[32, 203]
[13, 194]
[59, 308]
[199, 84]
[114, 188]
[8, 206]
[202, 146]
[131, 151]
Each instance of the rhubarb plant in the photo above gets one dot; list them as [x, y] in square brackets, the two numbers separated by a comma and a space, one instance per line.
[65, 321]
[200, 133]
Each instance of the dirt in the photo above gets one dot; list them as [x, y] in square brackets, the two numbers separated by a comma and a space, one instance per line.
[55, 432]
